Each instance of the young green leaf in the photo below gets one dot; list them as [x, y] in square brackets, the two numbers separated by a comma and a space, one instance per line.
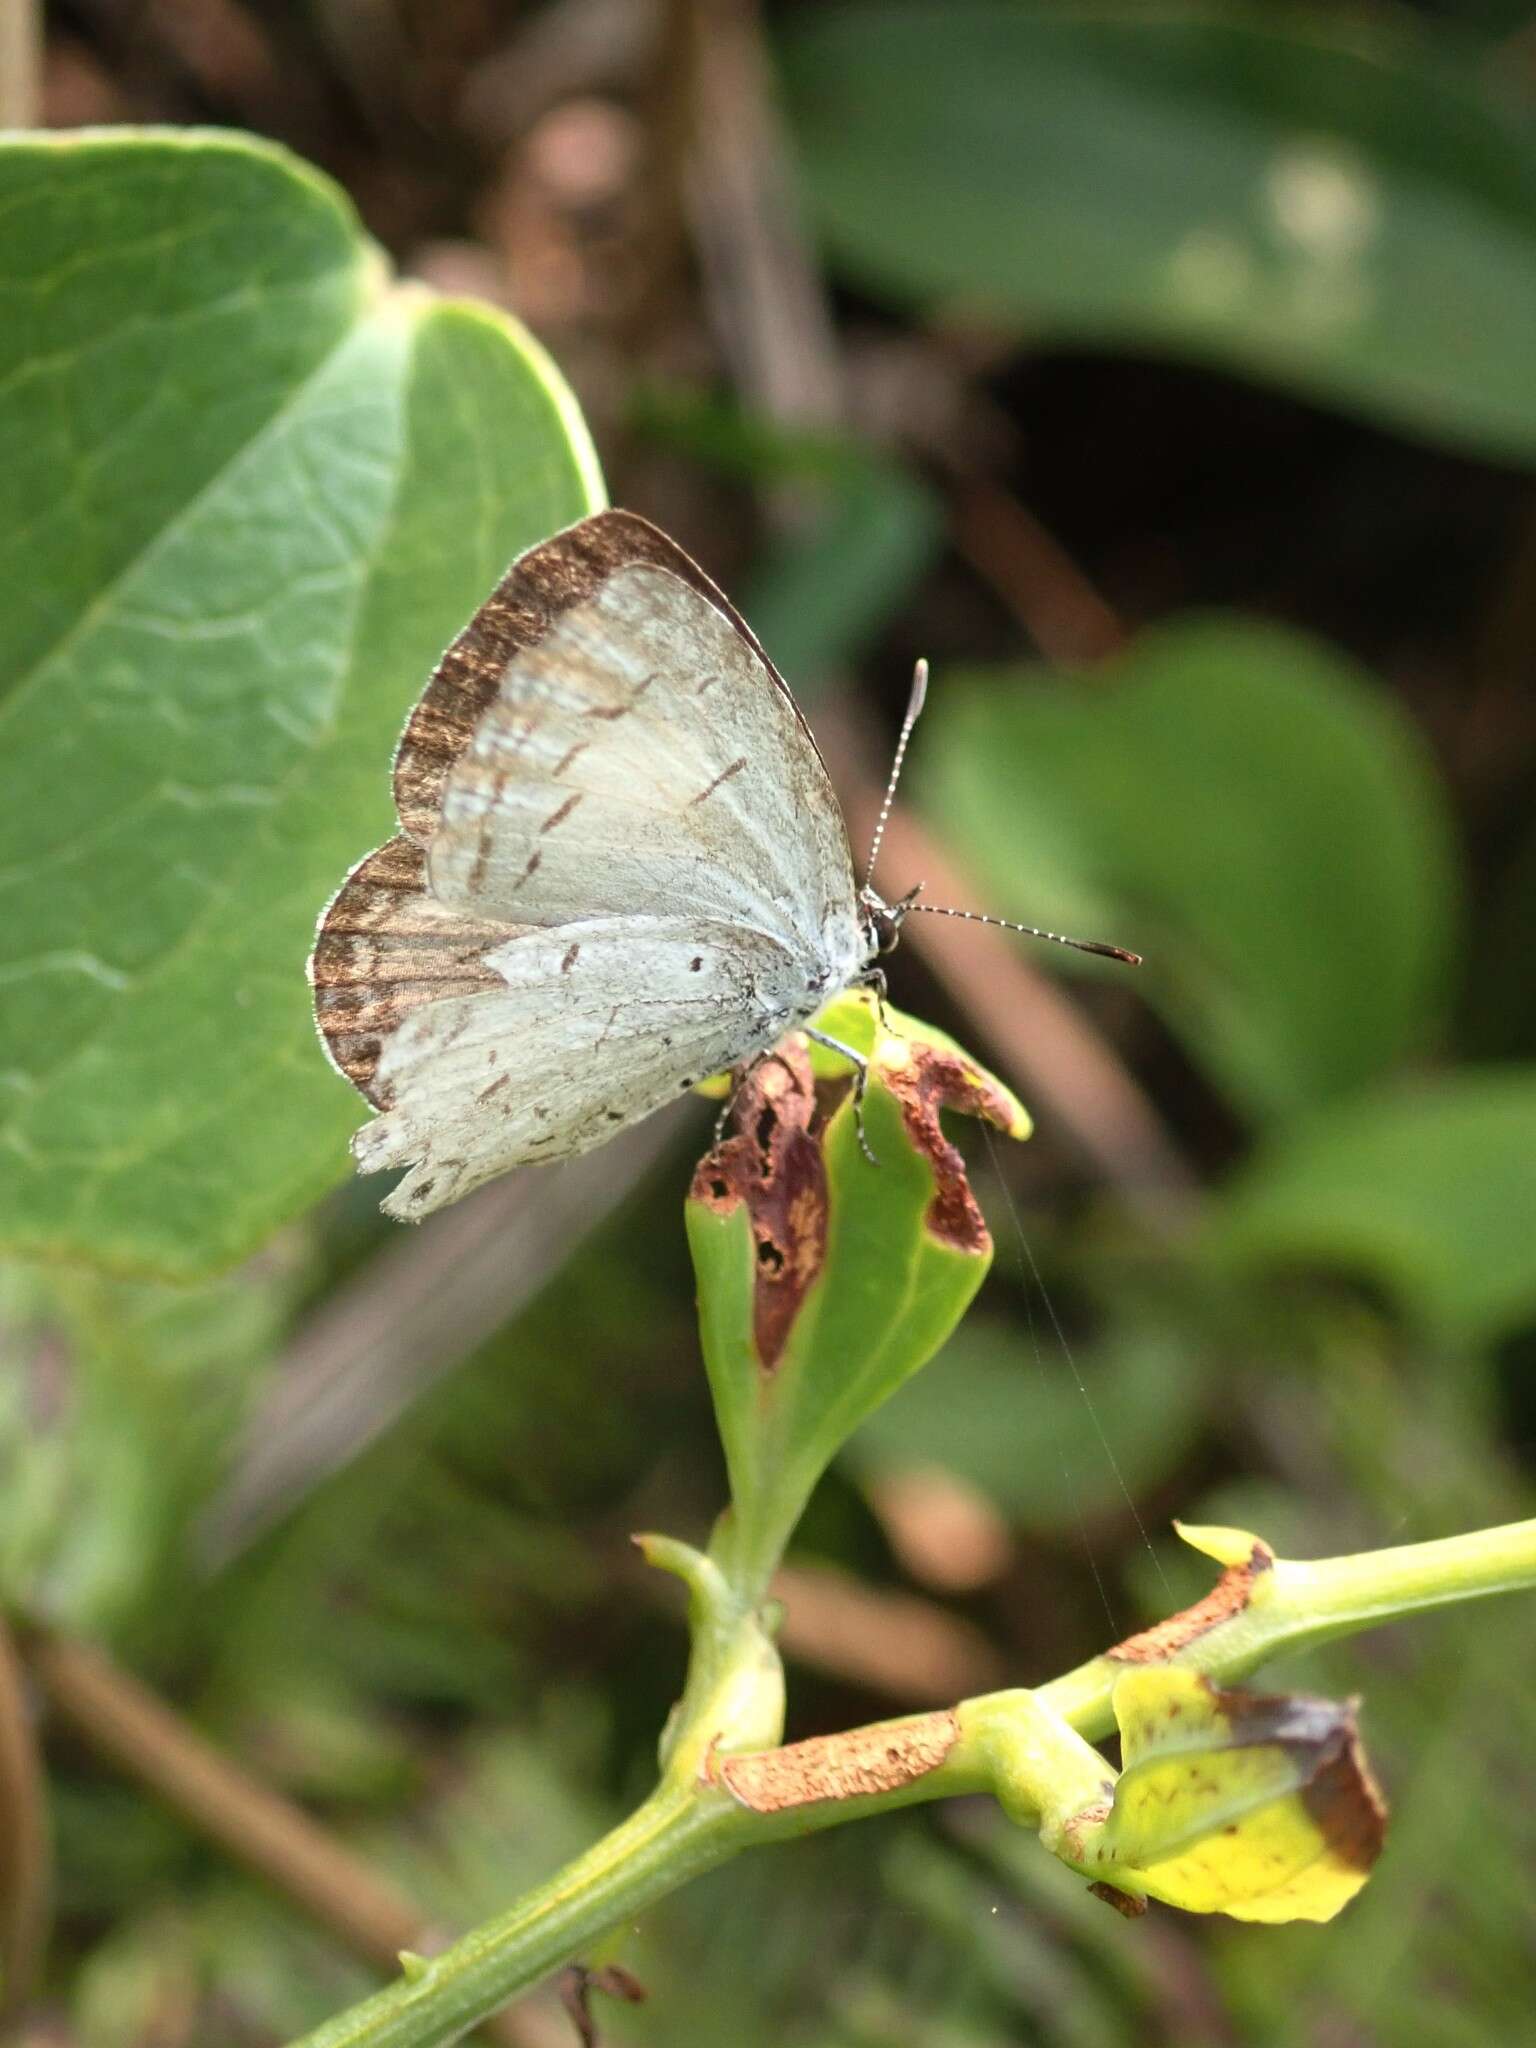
[825, 1280]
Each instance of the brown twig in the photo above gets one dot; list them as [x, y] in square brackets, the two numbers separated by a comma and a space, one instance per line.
[1054, 601]
[898, 1644]
[26, 1859]
[139, 1733]
[762, 290]
[1046, 1043]
[577, 1984]
[21, 64]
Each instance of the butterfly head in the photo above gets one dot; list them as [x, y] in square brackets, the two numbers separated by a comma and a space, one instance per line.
[882, 921]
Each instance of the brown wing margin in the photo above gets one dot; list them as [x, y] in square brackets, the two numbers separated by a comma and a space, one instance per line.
[538, 587]
[384, 948]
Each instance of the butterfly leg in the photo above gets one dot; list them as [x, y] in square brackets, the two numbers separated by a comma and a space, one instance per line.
[874, 978]
[860, 1067]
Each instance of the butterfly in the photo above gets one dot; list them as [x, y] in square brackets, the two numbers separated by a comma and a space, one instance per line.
[621, 867]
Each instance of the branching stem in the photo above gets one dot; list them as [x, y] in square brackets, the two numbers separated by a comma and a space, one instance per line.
[1025, 1746]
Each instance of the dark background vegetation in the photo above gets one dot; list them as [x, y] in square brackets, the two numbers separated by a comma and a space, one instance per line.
[1230, 592]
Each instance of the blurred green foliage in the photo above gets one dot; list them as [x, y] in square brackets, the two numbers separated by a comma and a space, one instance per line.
[1207, 791]
[256, 492]
[1321, 196]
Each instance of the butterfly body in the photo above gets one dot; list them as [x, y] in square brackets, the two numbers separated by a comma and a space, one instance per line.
[621, 868]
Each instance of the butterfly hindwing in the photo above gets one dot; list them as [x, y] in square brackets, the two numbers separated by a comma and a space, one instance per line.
[385, 948]
[591, 1027]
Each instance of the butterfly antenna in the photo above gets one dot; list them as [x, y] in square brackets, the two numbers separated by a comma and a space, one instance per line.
[1031, 931]
[914, 712]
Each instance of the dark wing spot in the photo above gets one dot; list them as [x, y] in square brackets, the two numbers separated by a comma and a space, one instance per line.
[535, 861]
[569, 957]
[695, 963]
[559, 817]
[482, 859]
[724, 776]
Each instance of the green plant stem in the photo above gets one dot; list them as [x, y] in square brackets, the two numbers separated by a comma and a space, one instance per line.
[1297, 1605]
[689, 1825]
[675, 1835]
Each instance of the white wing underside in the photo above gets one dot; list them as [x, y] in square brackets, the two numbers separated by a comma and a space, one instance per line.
[601, 1022]
[642, 793]
[641, 759]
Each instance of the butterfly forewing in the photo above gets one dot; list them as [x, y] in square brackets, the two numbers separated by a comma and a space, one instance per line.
[540, 586]
[641, 757]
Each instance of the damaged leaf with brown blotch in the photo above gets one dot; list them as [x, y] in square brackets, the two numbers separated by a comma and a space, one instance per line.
[825, 1281]
[1257, 1805]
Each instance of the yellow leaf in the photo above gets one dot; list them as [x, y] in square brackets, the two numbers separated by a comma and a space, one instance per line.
[1256, 1805]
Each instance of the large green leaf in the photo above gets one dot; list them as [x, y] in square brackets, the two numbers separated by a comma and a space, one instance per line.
[1429, 1191]
[1241, 805]
[1323, 199]
[261, 488]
